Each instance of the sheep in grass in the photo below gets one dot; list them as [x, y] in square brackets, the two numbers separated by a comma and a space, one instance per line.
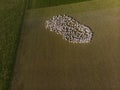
[70, 29]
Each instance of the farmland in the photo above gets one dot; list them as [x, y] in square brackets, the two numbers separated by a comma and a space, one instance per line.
[11, 14]
[47, 62]
[11, 17]
[48, 3]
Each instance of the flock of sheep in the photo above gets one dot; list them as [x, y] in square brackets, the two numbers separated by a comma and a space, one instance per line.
[70, 29]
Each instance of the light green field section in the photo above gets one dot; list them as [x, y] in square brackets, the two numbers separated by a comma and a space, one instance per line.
[84, 6]
[47, 62]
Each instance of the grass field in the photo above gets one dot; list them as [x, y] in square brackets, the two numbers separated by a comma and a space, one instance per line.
[49, 3]
[47, 62]
[11, 13]
[11, 16]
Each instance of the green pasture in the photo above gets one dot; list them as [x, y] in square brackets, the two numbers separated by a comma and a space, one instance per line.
[47, 62]
[11, 14]
[11, 17]
[49, 3]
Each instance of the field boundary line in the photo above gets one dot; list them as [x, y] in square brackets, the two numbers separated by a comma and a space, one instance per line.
[26, 4]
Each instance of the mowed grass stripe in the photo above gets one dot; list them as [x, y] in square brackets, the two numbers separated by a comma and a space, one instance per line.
[50, 3]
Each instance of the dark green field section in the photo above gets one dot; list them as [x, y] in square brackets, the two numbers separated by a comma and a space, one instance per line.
[11, 15]
[49, 3]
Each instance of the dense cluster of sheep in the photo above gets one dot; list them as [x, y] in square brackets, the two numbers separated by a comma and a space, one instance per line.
[69, 28]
